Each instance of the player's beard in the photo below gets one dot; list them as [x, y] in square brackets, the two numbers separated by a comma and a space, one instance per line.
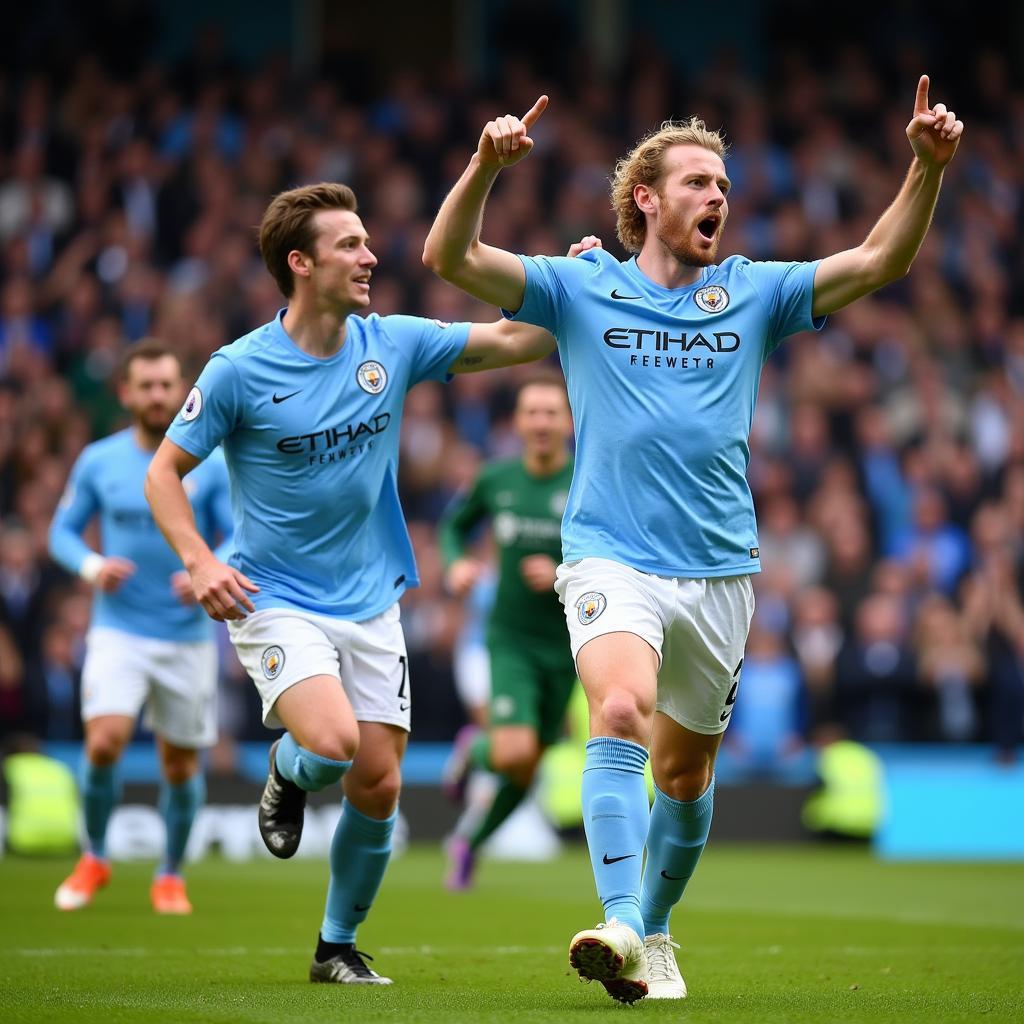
[154, 422]
[674, 232]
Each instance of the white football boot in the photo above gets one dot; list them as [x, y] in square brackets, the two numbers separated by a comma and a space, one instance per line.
[614, 955]
[663, 978]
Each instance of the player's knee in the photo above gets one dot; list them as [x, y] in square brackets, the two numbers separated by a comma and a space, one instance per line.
[516, 761]
[180, 766]
[687, 783]
[624, 715]
[104, 749]
[377, 796]
[333, 744]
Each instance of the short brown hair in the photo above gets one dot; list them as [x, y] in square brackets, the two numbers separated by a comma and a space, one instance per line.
[288, 224]
[149, 350]
[542, 377]
[642, 165]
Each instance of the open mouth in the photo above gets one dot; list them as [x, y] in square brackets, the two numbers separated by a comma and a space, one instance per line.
[364, 281]
[708, 226]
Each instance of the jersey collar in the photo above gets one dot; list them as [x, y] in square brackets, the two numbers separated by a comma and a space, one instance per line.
[652, 288]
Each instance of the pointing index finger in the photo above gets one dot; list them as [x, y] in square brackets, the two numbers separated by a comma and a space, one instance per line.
[921, 100]
[531, 117]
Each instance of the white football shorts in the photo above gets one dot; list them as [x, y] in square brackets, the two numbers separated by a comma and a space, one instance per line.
[280, 647]
[471, 667]
[175, 682]
[697, 627]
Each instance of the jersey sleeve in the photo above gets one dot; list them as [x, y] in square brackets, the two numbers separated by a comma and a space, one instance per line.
[465, 512]
[552, 282]
[212, 409]
[787, 293]
[431, 345]
[79, 503]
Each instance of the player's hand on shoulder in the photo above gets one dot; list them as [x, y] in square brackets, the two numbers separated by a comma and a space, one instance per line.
[462, 576]
[585, 243]
[934, 132]
[222, 590]
[113, 573]
[538, 571]
[506, 140]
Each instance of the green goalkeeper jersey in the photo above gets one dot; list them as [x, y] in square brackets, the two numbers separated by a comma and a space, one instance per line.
[525, 512]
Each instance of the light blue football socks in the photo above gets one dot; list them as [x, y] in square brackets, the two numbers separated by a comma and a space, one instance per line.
[615, 817]
[307, 770]
[101, 790]
[678, 831]
[179, 804]
[360, 851]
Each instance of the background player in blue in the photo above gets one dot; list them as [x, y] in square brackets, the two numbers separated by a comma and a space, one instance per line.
[149, 642]
[662, 356]
[308, 409]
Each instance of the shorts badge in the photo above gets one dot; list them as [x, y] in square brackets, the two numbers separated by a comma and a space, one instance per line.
[272, 662]
[590, 606]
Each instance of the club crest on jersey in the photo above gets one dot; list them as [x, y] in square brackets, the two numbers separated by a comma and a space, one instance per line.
[372, 377]
[712, 299]
[272, 662]
[590, 606]
[193, 405]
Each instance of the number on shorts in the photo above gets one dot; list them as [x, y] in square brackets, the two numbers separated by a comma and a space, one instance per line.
[402, 696]
[731, 699]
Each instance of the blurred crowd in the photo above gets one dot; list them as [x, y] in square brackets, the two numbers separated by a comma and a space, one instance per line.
[887, 453]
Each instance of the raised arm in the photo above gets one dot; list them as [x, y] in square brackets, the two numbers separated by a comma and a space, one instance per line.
[889, 250]
[453, 249]
[219, 588]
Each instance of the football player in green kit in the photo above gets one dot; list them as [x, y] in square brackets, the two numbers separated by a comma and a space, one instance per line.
[532, 672]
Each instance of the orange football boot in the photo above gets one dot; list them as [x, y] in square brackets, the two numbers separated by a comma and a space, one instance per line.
[168, 896]
[78, 889]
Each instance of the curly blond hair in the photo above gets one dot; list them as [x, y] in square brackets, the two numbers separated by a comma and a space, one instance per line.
[642, 166]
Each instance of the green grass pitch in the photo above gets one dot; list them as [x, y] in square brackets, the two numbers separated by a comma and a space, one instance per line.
[768, 935]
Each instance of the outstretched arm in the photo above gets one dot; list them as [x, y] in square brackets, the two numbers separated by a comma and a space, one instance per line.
[509, 342]
[453, 249]
[888, 251]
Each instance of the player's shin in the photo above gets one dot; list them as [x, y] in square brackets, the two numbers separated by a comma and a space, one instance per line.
[615, 818]
[678, 831]
[101, 790]
[360, 851]
[179, 804]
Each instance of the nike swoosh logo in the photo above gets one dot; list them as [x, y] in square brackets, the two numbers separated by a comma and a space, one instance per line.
[672, 878]
[358, 909]
[616, 295]
[724, 715]
[615, 860]
[278, 399]
[403, 707]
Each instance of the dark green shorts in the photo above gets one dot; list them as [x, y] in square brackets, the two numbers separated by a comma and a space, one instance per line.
[531, 686]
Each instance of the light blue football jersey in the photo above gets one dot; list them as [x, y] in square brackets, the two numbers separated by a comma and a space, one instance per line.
[662, 384]
[312, 452]
[107, 482]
